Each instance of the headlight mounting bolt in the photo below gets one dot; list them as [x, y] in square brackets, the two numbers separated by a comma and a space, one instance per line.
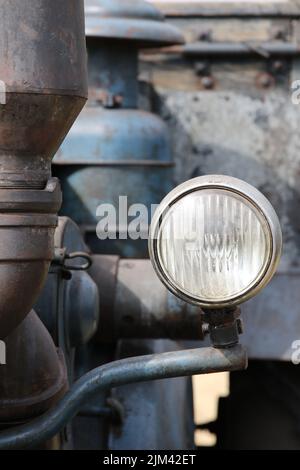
[224, 326]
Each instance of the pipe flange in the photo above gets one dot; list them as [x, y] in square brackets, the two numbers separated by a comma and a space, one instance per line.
[46, 201]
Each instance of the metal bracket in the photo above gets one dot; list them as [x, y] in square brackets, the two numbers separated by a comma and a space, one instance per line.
[263, 50]
[223, 326]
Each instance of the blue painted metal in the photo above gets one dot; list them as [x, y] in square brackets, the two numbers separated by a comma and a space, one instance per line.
[134, 20]
[127, 155]
[114, 149]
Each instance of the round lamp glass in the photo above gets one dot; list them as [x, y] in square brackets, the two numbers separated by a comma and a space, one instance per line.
[213, 245]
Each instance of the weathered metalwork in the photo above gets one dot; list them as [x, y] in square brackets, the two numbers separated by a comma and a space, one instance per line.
[34, 378]
[223, 326]
[27, 224]
[115, 149]
[132, 20]
[272, 319]
[245, 126]
[228, 9]
[150, 401]
[69, 302]
[153, 403]
[212, 50]
[264, 50]
[43, 68]
[126, 371]
[135, 304]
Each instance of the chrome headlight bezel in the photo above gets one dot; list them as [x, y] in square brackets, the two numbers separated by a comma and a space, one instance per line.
[261, 205]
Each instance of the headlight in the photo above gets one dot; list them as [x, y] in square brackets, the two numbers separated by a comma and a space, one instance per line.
[215, 241]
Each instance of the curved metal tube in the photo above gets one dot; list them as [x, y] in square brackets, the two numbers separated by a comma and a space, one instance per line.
[123, 372]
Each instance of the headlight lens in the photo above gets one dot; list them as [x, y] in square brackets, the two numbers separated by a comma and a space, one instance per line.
[215, 241]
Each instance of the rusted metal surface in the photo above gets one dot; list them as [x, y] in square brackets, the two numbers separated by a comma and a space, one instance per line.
[229, 49]
[34, 378]
[43, 67]
[27, 224]
[223, 326]
[144, 308]
[262, 149]
[173, 72]
[208, 9]
[247, 127]
[114, 141]
[212, 50]
[131, 370]
[42, 63]
[135, 304]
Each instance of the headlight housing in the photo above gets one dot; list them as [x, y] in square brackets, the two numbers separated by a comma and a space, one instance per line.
[215, 241]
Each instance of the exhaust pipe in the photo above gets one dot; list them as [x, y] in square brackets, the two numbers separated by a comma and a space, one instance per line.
[29, 391]
[43, 69]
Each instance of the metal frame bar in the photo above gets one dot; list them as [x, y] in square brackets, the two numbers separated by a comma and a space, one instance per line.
[221, 49]
[231, 9]
[123, 372]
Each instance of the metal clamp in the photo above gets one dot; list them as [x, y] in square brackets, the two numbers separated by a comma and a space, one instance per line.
[61, 255]
[113, 410]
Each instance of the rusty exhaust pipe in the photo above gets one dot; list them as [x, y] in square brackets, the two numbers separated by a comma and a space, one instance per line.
[43, 72]
[29, 391]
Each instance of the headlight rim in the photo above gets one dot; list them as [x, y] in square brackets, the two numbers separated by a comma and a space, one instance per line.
[244, 190]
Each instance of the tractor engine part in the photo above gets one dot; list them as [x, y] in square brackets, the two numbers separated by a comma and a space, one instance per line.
[135, 304]
[34, 377]
[43, 69]
[69, 302]
[115, 149]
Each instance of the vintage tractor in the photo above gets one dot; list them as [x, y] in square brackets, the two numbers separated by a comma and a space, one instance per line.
[87, 322]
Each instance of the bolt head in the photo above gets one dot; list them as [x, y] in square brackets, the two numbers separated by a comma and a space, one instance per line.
[208, 82]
